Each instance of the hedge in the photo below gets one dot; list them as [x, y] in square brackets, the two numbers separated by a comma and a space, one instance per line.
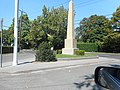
[7, 49]
[88, 47]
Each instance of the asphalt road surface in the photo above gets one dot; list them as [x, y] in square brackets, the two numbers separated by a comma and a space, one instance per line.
[67, 78]
[22, 55]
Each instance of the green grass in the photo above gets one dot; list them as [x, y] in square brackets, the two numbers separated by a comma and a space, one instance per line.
[75, 56]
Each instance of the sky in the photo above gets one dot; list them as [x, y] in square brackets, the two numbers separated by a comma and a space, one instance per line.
[83, 8]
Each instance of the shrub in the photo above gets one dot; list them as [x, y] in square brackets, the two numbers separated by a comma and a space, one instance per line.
[80, 52]
[88, 47]
[44, 53]
[59, 51]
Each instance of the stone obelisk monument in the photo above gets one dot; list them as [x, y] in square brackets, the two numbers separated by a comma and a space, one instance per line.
[70, 42]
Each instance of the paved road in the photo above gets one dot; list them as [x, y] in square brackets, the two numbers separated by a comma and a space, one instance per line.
[79, 77]
[110, 56]
[24, 54]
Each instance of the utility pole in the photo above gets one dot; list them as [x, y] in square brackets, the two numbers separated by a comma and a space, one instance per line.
[15, 56]
[1, 39]
[20, 29]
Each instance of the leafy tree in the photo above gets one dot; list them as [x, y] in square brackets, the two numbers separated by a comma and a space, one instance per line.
[8, 35]
[58, 26]
[50, 27]
[24, 31]
[94, 28]
[112, 43]
[116, 18]
[5, 37]
[37, 35]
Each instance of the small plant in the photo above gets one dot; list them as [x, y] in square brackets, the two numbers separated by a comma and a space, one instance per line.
[80, 52]
[44, 53]
[59, 51]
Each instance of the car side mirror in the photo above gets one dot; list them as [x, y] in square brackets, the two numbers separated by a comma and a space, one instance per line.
[108, 77]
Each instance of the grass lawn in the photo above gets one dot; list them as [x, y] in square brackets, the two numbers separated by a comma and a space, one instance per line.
[76, 56]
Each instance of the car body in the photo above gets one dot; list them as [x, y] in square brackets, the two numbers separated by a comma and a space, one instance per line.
[108, 77]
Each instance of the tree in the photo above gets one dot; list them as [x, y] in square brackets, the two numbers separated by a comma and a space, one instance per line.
[8, 35]
[24, 31]
[5, 35]
[50, 27]
[37, 35]
[116, 18]
[58, 26]
[112, 43]
[94, 28]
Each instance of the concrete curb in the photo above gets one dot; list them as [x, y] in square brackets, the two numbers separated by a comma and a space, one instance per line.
[37, 66]
[82, 58]
[48, 68]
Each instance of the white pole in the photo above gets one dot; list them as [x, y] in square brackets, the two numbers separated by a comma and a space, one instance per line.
[1, 39]
[15, 57]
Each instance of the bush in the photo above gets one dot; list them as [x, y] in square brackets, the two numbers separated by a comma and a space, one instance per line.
[59, 51]
[44, 53]
[88, 47]
[80, 52]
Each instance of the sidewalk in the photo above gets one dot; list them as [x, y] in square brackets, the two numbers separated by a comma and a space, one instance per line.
[28, 66]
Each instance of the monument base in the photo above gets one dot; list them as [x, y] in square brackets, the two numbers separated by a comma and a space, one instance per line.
[69, 51]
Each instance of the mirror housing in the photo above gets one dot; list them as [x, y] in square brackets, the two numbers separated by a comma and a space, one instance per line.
[108, 77]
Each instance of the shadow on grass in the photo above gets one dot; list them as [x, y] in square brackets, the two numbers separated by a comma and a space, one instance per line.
[87, 83]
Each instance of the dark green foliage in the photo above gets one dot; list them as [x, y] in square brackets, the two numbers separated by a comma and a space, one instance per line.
[59, 51]
[88, 47]
[112, 43]
[99, 44]
[116, 18]
[50, 27]
[8, 49]
[80, 52]
[44, 53]
[93, 29]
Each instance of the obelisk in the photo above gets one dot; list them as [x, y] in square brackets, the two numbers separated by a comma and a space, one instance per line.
[70, 42]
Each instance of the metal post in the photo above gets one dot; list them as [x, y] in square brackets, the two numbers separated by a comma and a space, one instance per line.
[15, 57]
[1, 39]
